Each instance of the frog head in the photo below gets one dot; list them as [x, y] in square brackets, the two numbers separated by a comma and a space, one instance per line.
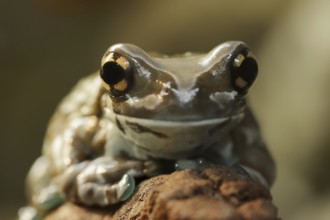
[174, 106]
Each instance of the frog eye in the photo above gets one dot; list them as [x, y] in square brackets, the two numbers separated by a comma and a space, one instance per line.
[115, 73]
[244, 71]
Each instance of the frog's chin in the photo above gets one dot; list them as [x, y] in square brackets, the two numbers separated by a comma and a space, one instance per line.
[172, 139]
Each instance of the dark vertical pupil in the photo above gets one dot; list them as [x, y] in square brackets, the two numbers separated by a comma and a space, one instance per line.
[248, 70]
[112, 73]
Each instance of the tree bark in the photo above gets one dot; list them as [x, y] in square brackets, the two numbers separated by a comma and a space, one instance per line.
[213, 193]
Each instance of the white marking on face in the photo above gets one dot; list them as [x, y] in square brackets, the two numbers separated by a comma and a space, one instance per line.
[218, 71]
[149, 102]
[185, 96]
[223, 98]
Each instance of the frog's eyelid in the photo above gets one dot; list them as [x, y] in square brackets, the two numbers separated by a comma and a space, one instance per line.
[250, 54]
[131, 52]
[106, 54]
[115, 57]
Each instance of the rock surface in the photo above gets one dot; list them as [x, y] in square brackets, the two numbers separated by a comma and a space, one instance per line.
[214, 193]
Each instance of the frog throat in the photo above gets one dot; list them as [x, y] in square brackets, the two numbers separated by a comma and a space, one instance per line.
[172, 139]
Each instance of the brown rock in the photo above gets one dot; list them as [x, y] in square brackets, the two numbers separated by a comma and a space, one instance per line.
[214, 193]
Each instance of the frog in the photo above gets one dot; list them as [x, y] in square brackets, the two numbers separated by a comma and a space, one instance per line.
[145, 114]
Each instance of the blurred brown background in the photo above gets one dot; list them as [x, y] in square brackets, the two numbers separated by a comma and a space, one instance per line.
[46, 46]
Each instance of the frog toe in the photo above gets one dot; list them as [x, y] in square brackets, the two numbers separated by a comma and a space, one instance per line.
[126, 187]
[28, 213]
[241, 170]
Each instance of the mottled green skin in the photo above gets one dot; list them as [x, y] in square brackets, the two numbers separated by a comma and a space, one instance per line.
[178, 111]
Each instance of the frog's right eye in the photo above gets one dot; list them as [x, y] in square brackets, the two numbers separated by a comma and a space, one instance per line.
[244, 71]
[115, 73]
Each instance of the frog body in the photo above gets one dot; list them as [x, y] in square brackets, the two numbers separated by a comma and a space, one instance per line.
[142, 116]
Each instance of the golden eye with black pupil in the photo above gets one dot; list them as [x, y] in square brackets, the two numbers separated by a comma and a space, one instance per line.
[115, 73]
[244, 71]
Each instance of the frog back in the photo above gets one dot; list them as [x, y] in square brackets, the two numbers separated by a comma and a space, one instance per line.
[82, 101]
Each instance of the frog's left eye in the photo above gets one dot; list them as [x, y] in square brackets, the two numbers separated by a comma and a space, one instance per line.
[115, 73]
[244, 71]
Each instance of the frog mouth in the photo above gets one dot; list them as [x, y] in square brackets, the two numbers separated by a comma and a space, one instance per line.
[171, 139]
[167, 123]
[159, 128]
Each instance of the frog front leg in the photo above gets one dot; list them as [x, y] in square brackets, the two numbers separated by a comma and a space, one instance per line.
[251, 151]
[67, 150]
[67, 153]
[107, 181]
[104, 181]
[91, 175]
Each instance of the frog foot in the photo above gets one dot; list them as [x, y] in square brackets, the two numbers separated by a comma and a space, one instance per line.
[94, 193]
[241, 170]
[28, 213]
[126, 187]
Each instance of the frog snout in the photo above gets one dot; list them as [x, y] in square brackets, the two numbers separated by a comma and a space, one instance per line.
[185, 95]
